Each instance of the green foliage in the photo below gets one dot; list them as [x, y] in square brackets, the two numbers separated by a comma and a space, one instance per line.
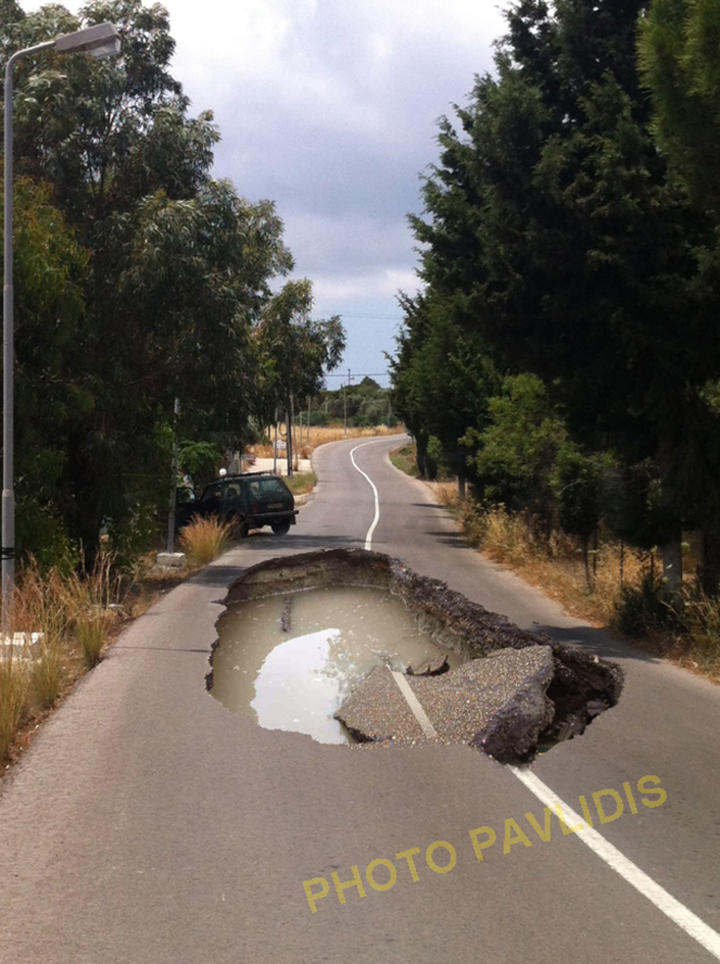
[442, 379]
[557, 249]
[580, 482]
[678, 54]
[516, 453]
[293, 348]
[139, 279]
[293, 351]
[646, 609]
[199, 460]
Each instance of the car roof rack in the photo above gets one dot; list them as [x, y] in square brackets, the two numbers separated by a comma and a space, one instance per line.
[244, 475]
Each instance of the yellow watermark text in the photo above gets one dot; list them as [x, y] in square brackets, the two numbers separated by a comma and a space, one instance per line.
[441, 856]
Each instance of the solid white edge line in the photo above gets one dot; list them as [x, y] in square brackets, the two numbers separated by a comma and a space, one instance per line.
[657, 895]
[415, 705]
[376, 517]
[678, 913]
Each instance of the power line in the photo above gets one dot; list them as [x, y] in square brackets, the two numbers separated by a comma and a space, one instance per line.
[357, 374]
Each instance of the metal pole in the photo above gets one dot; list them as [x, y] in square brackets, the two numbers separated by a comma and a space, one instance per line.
[275, 443]
[173, 479]
[7, 536]
[8, 509]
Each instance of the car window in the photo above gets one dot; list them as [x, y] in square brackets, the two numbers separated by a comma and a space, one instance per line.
[231, 492]
[211, 493]
[255, 491]
[272, 487]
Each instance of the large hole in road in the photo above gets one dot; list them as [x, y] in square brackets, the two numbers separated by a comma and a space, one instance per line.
[345, 645]
[292, 660]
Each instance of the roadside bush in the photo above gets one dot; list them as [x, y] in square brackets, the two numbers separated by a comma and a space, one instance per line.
[203, 540]
[701, 622]
[645, 609]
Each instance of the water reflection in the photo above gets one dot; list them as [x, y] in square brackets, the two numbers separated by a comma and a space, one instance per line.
[290, 661]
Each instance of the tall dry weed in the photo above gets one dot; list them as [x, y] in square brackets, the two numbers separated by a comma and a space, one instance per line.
[700, 617]
[86, 598]
[14, 691]
[72, 613]
[204, 539]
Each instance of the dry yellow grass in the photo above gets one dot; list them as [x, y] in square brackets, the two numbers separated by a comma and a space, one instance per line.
[319, 435]
[204, 539]
[73, 614]
[556, 567]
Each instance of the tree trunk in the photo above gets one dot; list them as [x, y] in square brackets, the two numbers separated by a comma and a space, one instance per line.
[709, 570]
[586, 561]
[672, 564]
[421, 441]
[289, 444]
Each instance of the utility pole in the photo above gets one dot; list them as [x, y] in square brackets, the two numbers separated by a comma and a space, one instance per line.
[345, 387]
[290, 421]
[173, 480]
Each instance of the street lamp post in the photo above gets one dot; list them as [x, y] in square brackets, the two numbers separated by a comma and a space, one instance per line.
[101, 40]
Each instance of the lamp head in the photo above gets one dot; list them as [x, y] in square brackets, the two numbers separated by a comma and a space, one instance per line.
[101, 40]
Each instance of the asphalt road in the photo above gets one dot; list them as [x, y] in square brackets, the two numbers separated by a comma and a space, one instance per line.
[149, 824]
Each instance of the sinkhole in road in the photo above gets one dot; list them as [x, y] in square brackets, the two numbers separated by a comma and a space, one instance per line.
[290, 660]
[313, 638]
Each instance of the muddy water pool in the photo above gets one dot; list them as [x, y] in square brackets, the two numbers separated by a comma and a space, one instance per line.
[289, 661]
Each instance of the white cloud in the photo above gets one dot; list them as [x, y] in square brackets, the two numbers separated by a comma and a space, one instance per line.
[384, 283]
[329, 108]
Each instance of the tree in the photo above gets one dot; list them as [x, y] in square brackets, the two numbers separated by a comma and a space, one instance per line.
[516, 453]
[442, 383]
[555, 235]
[49, 271]
[295, 351]
[179, 265]
[678, 55]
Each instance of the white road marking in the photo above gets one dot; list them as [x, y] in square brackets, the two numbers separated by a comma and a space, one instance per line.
[376, 517]
[657, 895]
[678, 913]
[415, 705]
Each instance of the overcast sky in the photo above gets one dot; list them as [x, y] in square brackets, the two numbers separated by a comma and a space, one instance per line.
[329, 108]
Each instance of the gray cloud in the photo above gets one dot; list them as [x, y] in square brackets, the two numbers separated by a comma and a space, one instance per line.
[329, 107]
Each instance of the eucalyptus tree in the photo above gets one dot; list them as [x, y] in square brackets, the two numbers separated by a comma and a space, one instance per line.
[294, 351]
[179, 264]
[49, 273]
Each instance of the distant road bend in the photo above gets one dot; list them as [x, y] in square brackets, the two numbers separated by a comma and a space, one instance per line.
[149, 824]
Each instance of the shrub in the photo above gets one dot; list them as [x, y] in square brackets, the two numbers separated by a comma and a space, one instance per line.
[701, 622]
[645, 608]
[203, 540]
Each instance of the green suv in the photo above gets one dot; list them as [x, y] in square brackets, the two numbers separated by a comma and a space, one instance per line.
[250, 501]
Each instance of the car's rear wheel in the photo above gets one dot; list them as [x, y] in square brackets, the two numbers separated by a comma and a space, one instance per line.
[281, 528]
[240, 526]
